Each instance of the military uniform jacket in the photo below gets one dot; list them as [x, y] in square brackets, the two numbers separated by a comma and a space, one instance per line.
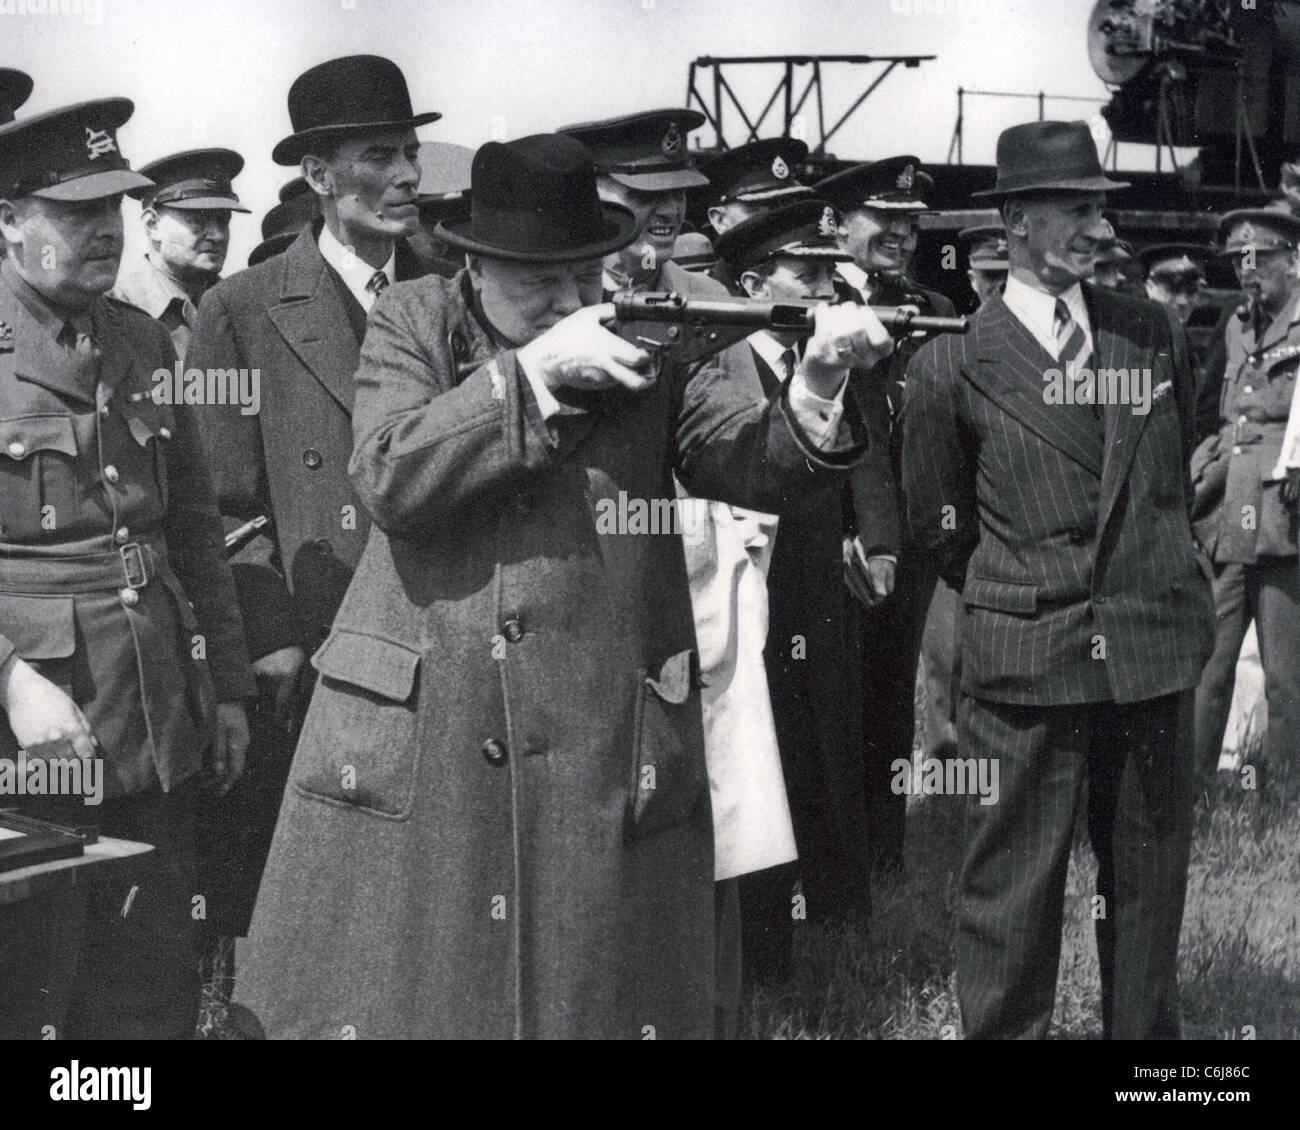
[1072, 549]
[1259, 382]
[92, 469]
[292, 319]
[143, 284]
[513, 684]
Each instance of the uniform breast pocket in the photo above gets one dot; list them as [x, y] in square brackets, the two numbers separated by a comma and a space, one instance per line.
[668, 773]
[360, 744]
[38, 475]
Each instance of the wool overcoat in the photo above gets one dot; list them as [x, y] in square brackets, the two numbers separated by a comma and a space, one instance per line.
[498, 820]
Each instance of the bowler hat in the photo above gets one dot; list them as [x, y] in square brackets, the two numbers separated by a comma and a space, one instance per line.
[645, 151]
[762, 170]
[804, 229]
[1264, 229]
[1048, 157]
[15, 89]
[534, 200]
[196, 180]
[358, 93]
[892, 184]
[68, 154]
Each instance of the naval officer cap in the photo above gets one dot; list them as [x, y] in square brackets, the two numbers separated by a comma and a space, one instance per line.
[196, 180]
[988, 247]
[892, 184]
[762, 170]
[68, 154]
[804, 229]
[645, 151]
[1260, 229]
[15, 89]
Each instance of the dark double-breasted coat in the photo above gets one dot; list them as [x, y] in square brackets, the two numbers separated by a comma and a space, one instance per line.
[498, 822]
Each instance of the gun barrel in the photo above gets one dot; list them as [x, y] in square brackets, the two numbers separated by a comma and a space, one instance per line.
[792, 317]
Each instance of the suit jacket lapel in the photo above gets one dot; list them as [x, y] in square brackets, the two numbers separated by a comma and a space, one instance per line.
[313, 319]
[1008, 369]
[1115, 350]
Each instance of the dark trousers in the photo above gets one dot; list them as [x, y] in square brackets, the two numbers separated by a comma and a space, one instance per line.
[941, 670]
[115, 956]
[891, 644]
[1136, 760]
[1268, 593]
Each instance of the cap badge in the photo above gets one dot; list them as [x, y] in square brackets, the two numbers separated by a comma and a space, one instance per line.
[826, 225]
[780, 169]
[1002, 246]
[1246, 233]
[99, 142]
[906, 177]
[672, 142]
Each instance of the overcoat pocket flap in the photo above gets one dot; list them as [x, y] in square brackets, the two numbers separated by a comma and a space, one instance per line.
[1002, 596]
[668, 772]
[383, 666]
[39, 627]
[22, 435]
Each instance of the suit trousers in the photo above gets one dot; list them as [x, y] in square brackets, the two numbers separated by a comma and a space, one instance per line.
[114, 957]
[891, 645]
[1267, 592]
[941, 671]
[1136, 761]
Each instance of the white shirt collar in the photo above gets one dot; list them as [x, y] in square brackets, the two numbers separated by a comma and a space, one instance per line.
[770, 350]
[355, 272]
[1036, 311]
[855, 276]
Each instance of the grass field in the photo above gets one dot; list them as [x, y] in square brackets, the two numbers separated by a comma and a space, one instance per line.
[892, 978]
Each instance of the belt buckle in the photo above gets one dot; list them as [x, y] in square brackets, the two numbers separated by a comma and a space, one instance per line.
[136, 563]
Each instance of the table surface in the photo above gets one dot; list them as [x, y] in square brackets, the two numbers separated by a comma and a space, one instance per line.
[24, 882]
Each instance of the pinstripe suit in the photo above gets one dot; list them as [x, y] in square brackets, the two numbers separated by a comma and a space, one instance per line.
[1088, 616]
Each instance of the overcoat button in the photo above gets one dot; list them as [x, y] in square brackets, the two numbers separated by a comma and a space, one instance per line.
[494, 752]
[514, 630]
[166, 433]
[1236, 450]
[110, 473]
[122, 536]
[129, 597]
[322, 546]
[312, 458]
[17, 449]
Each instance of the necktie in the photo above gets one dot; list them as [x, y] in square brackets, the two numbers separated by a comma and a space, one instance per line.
[377, 285]
[787, 366]
[84, 352]
[1072, 346]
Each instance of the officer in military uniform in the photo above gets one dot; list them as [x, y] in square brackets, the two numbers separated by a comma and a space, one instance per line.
[1245, 514]
[1111, 266]
[879, 207]
[987, 255]
[186, 217]
[1175, 273]
[643, 164]
[747, 181]
[120, 638]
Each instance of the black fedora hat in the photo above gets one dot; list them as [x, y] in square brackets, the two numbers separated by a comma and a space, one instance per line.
[15, 89]
[354, 94]
[1048, 157]
[534, 201]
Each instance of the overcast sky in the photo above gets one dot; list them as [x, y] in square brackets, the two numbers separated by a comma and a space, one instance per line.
[217, 72]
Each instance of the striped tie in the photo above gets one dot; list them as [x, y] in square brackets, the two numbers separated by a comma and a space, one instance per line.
[1072, 347]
